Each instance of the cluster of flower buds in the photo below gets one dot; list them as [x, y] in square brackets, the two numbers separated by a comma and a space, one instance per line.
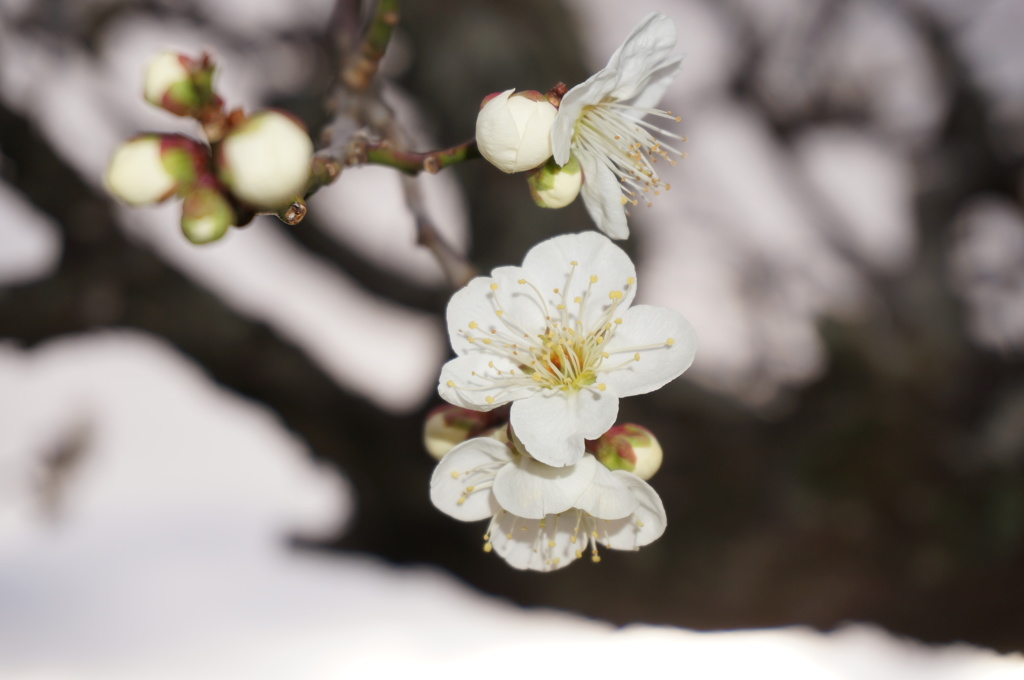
[628, 447]
[249, 164]
[513, 132]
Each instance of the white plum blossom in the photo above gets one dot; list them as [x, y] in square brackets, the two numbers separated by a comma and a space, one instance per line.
[601, 123]
[542, 517]
[513, 131]
[558, 339]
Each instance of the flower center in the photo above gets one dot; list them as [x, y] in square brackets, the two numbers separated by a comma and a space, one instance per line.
[568, 353]
[566, 360]
[565, 355]
[618, 137]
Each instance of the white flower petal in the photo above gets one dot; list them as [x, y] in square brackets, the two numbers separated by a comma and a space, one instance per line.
[472, 310]
[648, 326]
[552, 426]
[524, 312]
[547, 265]
[473, 463]
[643, 52]
[533, 490]
[536, 146]
[470, 305]
[607, 496]
[475, 382]
[656, 84]
[591, 91]
[497, 134]
[602, 196]
[539, 545]
[645, 525]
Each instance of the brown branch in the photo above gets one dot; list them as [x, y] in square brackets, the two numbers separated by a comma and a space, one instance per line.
[413, 163]
[361, 66]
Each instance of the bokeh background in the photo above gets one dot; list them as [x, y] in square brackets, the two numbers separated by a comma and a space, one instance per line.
[181, 427]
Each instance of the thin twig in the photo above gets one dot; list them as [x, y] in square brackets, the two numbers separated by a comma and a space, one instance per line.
[361, 66]
[413, 163]
[456, 268]
[364, 130]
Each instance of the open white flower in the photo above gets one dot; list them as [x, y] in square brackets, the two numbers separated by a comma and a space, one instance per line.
[543, 518]
[601, 123]
[557, 338]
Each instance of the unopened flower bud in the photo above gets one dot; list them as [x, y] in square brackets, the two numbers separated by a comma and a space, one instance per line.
[151, 168]
[179, 84]
[555, 186]
[265, 160]
[206, 214]
[449, 425]
[513, 131]
[499, 433]
[628, 447]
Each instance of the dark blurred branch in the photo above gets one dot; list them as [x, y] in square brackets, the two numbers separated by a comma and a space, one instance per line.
[344, 27]
[364, 130]
[105, 280]
[360, 66]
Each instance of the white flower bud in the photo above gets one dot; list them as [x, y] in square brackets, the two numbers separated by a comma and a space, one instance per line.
[179, 84]
[151, 168]
[513, 131]
[265, 161]
[628, 447]
[555, 186]
[449, 425]
[206, 214]
[165, 72]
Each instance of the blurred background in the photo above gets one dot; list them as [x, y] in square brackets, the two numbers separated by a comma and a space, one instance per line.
[846, 234]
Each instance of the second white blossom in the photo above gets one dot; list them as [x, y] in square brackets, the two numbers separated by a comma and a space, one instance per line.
[601, 122]
[544, 518]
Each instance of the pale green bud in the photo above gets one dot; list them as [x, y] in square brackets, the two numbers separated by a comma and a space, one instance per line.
[179, 84]
[628, 447]
[555, 186]
[449, 425]
[206, 214]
